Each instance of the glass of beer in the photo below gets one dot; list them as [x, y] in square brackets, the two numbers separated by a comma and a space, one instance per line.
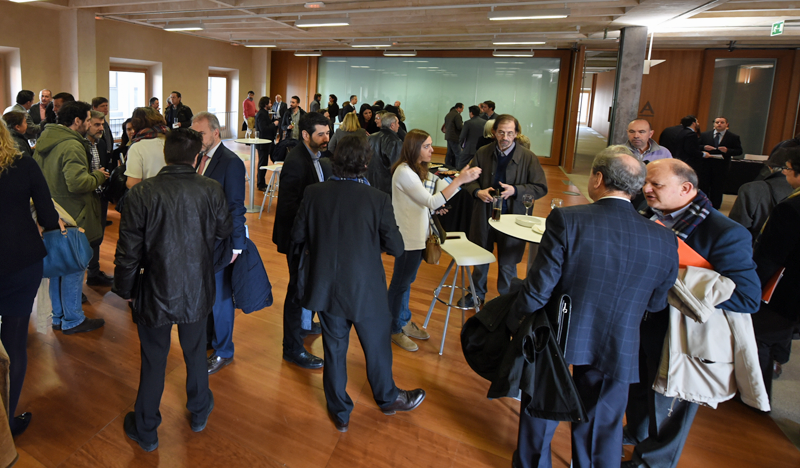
[497, 207]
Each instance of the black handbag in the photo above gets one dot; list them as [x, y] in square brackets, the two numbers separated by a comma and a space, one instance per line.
[116, 186]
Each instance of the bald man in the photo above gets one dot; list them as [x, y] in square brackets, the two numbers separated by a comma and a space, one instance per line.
[640, 141]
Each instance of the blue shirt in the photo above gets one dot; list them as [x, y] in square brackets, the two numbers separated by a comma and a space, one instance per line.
[315, 160]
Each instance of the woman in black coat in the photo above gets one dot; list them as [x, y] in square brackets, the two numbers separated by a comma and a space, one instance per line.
[17, 126]
[333, 107]
[344, 224]
[21, 254]
[367, 119]
[266, 130]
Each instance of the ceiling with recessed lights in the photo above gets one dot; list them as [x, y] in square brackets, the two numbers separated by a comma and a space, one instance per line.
[459, 24]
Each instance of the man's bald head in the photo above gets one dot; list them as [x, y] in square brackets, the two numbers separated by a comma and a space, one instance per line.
[639, 134]
[670, 185]
[616, 172]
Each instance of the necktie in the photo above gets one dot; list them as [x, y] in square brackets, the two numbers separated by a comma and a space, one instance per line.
[202, 164]
[716, 139]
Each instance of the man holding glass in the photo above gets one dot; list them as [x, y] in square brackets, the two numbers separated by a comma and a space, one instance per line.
[509, 172]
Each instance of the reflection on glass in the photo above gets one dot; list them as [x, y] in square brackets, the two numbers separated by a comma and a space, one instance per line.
[742, 92]
[428, 87]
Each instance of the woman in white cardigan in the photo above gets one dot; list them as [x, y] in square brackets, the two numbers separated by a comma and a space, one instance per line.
[415, 194]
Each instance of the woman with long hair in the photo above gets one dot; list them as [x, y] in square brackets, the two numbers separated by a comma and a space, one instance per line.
[366, 119]
[146, 155]
[17, 125]
[266, 130]
[121, 153]
[350, 126]
[416, 193]
[21, 255]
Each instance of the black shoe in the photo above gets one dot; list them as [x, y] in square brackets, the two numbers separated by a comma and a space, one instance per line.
[199, 422]
[340, 426]
[20, 423]
[406, 400]
[316, 329]
[262, 188]
[631, 464]
[216, 363]
[86, 326]
[129, 424]
[56, 327]
[100, 279]
[84, 299]
[468, 302]
[305, 360]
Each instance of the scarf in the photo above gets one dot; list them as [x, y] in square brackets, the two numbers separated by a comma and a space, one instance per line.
[697, 211]
[360, 180]
[150, 133]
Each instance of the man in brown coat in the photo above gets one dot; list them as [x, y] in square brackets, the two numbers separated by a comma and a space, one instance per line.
[509, 171]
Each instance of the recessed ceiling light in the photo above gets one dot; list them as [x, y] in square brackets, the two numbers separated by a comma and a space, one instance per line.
[372, 44]
[259, 44]
[307, 53]
[322, 22]
[399, 53]
[314, 4]
[529, 14]
[512, 53]
[518, 42]
[184, 27]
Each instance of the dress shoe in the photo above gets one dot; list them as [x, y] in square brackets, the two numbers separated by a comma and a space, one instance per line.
[316, 329]
[305, 360]
[100, 279]
[413, 331]
[340, 426]
[467, 301]
[129, 424]
[216, 363]
[406, 400]
[199, 422]
[84, 299]
[56, 327]
[86, 326]
[262, 188]
[777, 370]
[20, 423]
[401, 340]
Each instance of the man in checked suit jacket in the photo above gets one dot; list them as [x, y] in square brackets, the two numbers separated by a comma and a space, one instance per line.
[222, 165]
[615, 265]
[303, 167]
[713, 171]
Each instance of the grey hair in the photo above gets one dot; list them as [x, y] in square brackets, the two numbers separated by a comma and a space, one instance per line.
[213, 121]
[97, 115]
[618, 174]
[685, 173]
[388, 119]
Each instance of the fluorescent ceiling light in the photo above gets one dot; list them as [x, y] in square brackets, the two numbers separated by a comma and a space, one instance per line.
[307, 53]
[399, 53]
[184, 27]
[372, 44]
[519, 43]
[258, 44]
[512, 53]
[322, 22]
[528, 14]
[22, 1]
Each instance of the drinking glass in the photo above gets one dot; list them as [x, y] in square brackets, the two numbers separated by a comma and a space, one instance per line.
[497, 207]
[527, 200]
[556, 203]
[247, 134]
[255, 134]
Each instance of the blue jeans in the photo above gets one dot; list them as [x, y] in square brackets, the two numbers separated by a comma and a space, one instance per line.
[405, 272]
[65, 294]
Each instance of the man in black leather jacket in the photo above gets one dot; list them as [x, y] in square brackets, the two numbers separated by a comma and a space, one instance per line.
[165, 268]
[386, 146]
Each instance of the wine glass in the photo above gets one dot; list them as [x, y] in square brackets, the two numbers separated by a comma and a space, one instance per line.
[527, 200]
[556, 203]
[247, 134]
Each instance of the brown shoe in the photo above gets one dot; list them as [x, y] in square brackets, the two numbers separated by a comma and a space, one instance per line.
[340, 426]
[406, 400]
[413, 331]
[401, 340]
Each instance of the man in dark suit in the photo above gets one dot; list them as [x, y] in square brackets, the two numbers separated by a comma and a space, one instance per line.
[101, 104]
[614, 264]
[177, 115]
[303, 167]
[348, 107]
[658, 425]
[468, 140]
[682, 142]
[278, 109]
[346, 280]
[721, 144]
[453, 123]
[222, 165]
[38, 111]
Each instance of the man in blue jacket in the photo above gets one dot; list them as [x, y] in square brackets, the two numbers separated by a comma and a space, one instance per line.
[222, 165]
[657, 425]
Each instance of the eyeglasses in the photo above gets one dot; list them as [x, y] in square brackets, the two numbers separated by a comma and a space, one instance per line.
[503, 134]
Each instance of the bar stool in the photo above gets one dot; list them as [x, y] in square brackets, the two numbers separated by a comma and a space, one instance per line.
[465, 254]
[272, 187]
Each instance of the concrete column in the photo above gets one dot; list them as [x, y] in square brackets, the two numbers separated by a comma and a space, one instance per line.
[628, 87]
[78, 54]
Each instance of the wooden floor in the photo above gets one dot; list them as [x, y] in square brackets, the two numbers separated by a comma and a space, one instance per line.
[269, 413]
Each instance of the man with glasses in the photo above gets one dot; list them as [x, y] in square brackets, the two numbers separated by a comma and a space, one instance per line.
[509, 171]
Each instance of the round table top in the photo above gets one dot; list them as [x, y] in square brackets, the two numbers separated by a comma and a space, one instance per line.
[507, 225]
[252, 141]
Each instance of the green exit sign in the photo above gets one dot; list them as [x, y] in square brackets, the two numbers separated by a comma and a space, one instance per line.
[777, 28]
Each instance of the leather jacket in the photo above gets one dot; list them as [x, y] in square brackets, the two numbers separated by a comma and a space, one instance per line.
[386, 146]
[165, 253]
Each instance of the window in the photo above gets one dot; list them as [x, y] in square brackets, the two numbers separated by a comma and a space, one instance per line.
[126, 91]
[217, 97]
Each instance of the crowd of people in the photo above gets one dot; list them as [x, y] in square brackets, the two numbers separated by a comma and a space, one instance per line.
[346, 197]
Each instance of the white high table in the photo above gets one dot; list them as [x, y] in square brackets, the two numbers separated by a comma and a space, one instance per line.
[507, 225]
[252, 208]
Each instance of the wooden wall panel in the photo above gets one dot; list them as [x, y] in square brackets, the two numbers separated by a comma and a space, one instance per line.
[672, 89]
[293, 76]
[603, 100]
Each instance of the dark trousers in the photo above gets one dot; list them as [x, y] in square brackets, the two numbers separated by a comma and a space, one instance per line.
[507, 246]
[155, 344]
[774, 340]
[264, 151]
[453, 153]
[596, 442]
[94, 263]
[658, 424]
[292, 313]
[373, 334]
[711, 177]
[223, 313]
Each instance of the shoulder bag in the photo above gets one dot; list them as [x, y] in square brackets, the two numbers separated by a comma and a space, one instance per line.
[68, 251]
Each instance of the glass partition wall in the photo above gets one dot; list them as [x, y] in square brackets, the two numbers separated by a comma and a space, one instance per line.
[428, 87]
